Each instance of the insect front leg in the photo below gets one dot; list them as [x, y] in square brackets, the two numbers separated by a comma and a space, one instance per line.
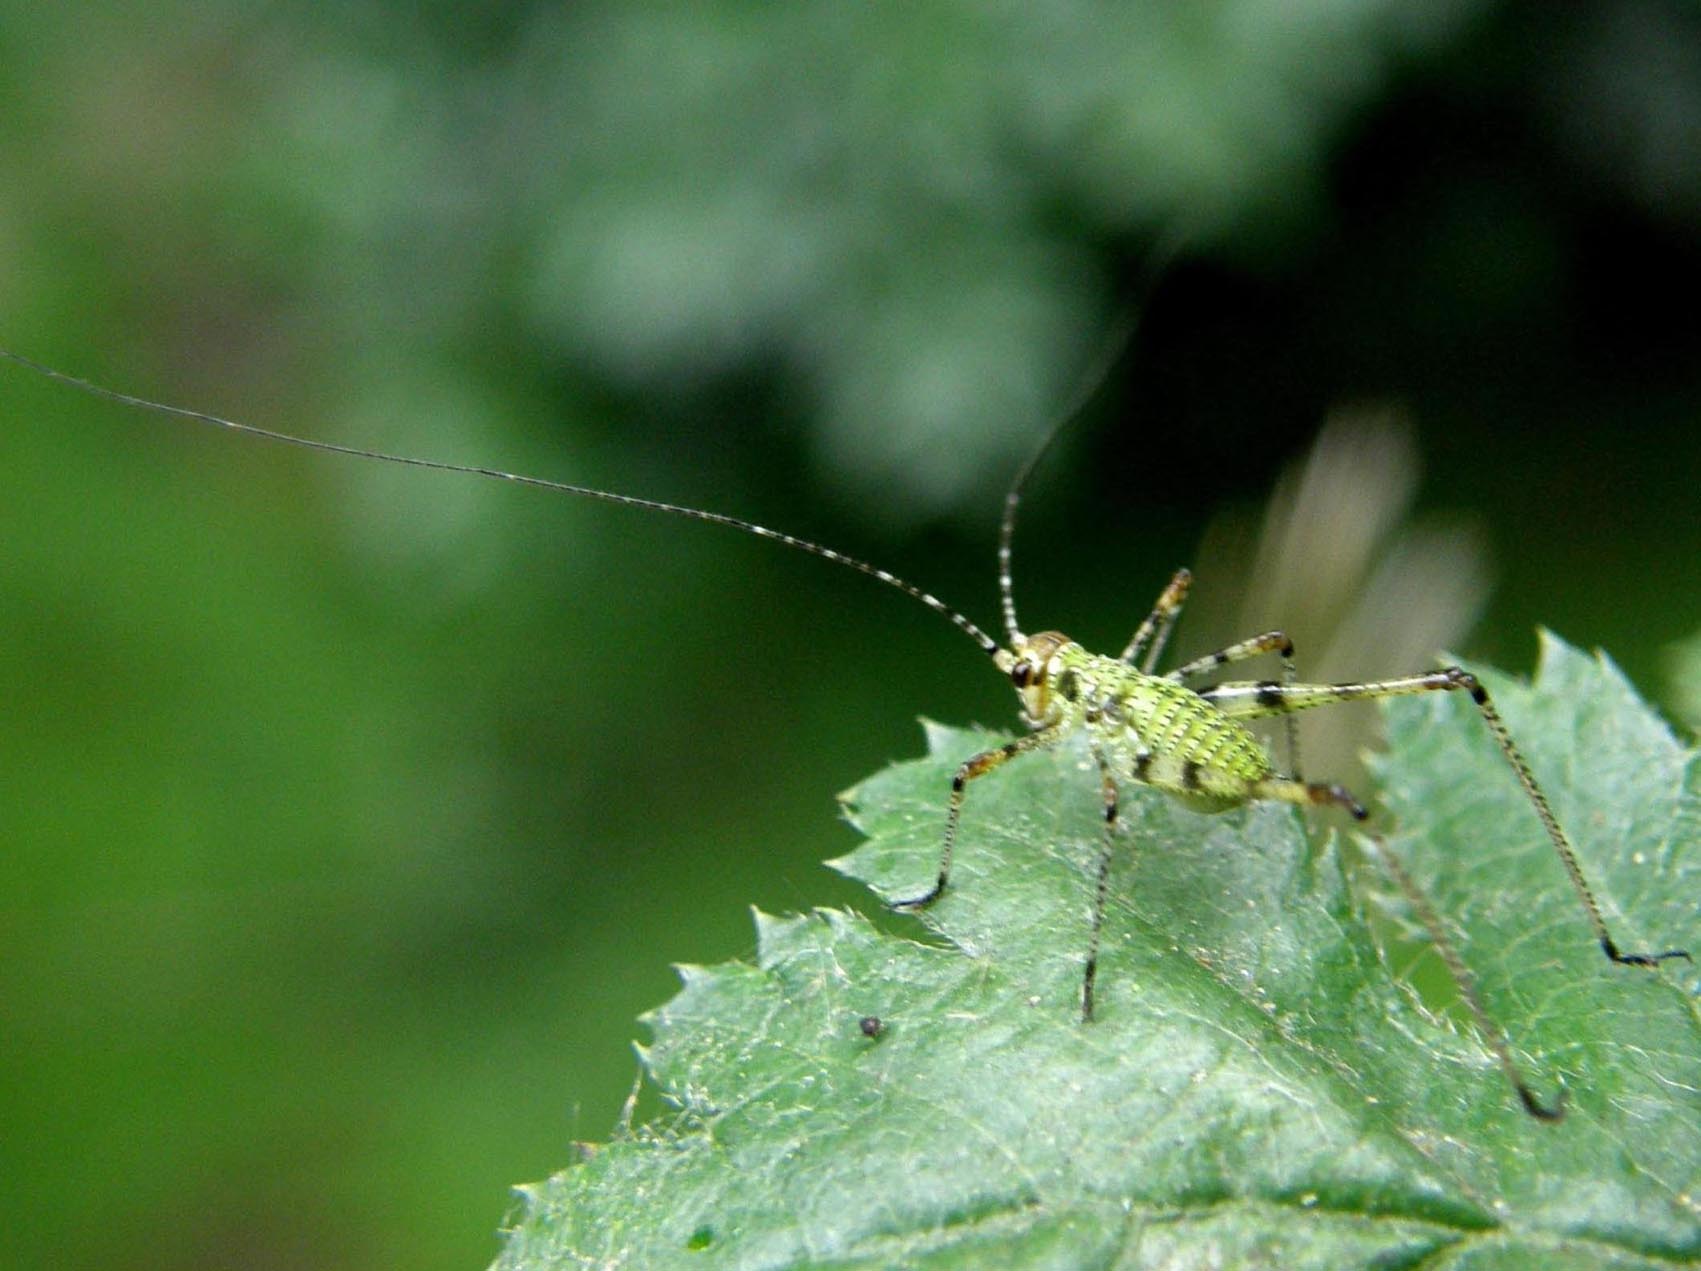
[1101, 893]
[977, 766]
[1158, 624]
[1251, 700]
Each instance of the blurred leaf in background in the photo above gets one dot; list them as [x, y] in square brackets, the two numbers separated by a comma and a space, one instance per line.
[352, 815]
[1333, 563]
[1684, 661]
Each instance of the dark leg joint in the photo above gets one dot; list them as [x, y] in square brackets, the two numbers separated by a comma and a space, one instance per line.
[1459, 677]
[1341, 797]
[922, 902]
[1539, 1110]
[1640, 959]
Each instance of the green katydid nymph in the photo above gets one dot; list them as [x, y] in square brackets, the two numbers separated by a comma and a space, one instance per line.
[1141, 726]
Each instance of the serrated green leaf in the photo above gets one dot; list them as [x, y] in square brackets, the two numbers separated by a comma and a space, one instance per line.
[1258, 1089]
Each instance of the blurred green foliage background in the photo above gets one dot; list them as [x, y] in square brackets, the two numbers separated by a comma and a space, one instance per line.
[351, 814]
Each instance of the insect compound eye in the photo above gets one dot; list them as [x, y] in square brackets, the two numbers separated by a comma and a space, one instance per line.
[1022, 673]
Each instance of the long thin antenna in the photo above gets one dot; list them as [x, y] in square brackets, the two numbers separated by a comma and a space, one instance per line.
[1116, 342]
[1090, 382]
[987, 644]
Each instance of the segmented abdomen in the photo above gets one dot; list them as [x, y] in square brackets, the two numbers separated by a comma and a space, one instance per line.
[1161, 733]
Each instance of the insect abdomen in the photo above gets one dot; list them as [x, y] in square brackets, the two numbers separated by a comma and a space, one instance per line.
[1163, 734]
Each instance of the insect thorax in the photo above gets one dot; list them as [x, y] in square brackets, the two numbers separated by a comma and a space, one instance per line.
[1147, 728]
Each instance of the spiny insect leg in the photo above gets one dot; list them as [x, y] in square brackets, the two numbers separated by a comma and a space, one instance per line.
[1256, 699]
[1270, 642]
[977, 766]
[1464, 981]
[1158, 624]
[1239, 651]
[1101, 894]
[1550, 822]
[1252, 700]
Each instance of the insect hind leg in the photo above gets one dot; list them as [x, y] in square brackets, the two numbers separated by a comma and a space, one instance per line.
[1307, 794]
[1249, 700]
[1463, 980]
[1561, 844]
